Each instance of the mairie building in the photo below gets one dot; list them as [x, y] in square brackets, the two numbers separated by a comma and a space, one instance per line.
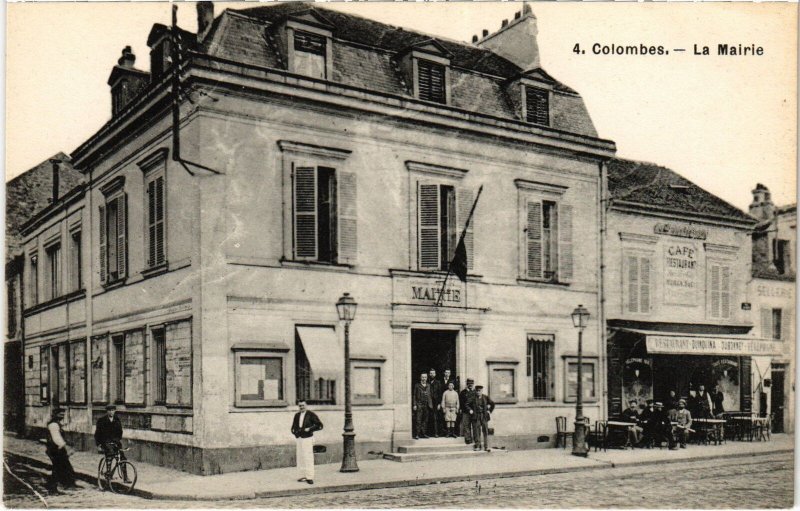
[192, 280]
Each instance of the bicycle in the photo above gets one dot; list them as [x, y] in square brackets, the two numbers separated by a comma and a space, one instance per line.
[112, 471]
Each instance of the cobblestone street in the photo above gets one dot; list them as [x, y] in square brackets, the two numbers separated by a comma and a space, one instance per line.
[727, 483]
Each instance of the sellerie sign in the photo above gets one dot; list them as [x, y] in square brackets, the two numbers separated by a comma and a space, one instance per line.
[691, 345]
[680, 274]
[681, 231]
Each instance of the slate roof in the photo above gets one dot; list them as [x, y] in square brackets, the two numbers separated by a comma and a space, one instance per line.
[652, 185]
[30, 193]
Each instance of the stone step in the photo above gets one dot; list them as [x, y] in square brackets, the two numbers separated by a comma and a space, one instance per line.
[435, 447]
[440, 455]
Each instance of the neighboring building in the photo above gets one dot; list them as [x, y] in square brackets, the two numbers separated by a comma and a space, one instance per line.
[772, 293]
[321, 153]
[27, 194]
[677, 262]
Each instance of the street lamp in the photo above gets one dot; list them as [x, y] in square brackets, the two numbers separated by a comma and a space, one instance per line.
[346, 308]
[580, 317]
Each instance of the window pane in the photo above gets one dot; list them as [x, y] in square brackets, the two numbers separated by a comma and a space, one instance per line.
[159, 363]
[540, 367]
[502, 383]
[62, 373]
[588, 380]
[179, 363]
[77, 379]
[118, 369]
[44, 374]
[100, 369]
[776, 323]
[260, 379]
[367, 382]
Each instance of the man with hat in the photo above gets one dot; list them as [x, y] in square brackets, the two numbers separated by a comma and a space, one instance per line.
[59, 455]
[658, 427]
[108, 435]
[466, 420]
[422, 406]
[684, 419]
[479, 408]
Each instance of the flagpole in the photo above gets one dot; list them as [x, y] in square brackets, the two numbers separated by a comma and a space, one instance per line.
[176, 85]
[460, 239]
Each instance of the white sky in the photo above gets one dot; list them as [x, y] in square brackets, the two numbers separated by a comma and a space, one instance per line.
[726, 123]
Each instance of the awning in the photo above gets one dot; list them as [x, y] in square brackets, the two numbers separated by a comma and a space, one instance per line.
[690, 344]
[323, 351]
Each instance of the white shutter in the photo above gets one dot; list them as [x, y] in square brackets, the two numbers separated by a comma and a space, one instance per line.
[122, 235]
[786, 325]
[644, 282]
[564, 243]
[465, 197]
[102, 238]
[428, 228]
[715, 287]
[766, 323]
[633, 283]
[348, 227]
[534, 239]
[305, 213]
[725, 292]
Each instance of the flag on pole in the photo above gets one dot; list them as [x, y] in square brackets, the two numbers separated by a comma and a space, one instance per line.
[459, 263]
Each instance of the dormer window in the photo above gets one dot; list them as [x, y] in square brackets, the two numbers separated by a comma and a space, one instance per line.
[537, 105]
[431, 81]
[310, 51]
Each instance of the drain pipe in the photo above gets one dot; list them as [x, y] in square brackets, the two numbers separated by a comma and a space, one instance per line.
[603, 355]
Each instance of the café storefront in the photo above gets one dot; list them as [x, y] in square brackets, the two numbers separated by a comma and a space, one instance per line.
[648, 363]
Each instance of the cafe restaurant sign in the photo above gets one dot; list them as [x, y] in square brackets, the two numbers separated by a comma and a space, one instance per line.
[680, 273]
[699, 345]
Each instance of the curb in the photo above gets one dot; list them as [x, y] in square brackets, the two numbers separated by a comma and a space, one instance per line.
[82, 475]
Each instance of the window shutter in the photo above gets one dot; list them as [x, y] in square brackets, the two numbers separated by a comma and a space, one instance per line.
[534, 239]
[537, 104]
[644, 281]
[564, 243]
[151, 223]
[428, 213]
[160, 205]
[766, 323]
[715, 287]
[431, 81]
[786, 325]
[633, 284]
[465, 198]
[305, 213]
[348, 226]
[122, 234]
[725, 292]
[102, 238]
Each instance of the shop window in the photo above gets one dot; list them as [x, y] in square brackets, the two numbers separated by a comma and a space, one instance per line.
[76, 278]
[548, 241]
[431, 80]
[53, 280]
[156, 205]
[502, 381]
[159, 341]
[638, 291]
[113, 238]
[571, 380]
[118, 368]
[324, 215]
[310, 53]
[541, 367]
[44, 374]
[537, 106]
[100, 369]
[720, 291]
[133, 369]
[318, 362]
[259, 379]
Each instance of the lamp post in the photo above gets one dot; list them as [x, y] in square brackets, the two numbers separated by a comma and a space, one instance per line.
[580, 317]
[346, 308]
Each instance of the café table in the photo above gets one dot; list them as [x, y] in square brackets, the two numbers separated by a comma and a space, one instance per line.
[622, 425]
[747, 424]
[714, 428]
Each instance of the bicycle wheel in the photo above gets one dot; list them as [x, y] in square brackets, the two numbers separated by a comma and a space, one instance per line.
[123, 477]
[102, 474]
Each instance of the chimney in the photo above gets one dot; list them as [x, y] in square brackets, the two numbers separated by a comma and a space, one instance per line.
[56, 178]
[516, 41]
[126, 81]
[205, 17]
[504, 24]
[485, 32]
[762, 207]
[474, 39]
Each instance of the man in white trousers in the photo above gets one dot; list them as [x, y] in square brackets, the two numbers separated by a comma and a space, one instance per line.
[304, 425]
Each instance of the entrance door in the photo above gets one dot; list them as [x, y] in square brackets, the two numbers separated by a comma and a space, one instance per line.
[432, 349]
[776, 398]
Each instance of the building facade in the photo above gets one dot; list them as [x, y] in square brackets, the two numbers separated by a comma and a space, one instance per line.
[772, 293]
[321, 153]
[677, 266]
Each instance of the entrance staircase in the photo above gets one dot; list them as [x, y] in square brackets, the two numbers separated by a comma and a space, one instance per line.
[441, 448]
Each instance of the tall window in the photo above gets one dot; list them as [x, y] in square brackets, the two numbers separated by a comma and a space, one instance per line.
[324, 215]
[156, 253]
[53, 253]
[62, 365]
[118, 368]
[310, 54]
[549, 241]
[438, 228]
[313, 389]
[33, 281]
[776, 324]
[11, 297]
[541, 367]
[431, 81]
[44, 374]
[113, 239]
[781, 250]
[159, 365]
[537, 106]
[720, 291]
[76, 278]
[638, 284]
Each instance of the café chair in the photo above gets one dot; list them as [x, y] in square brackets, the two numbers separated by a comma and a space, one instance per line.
[561, 432]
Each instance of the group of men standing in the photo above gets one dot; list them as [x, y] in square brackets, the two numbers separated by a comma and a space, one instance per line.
[440, 410]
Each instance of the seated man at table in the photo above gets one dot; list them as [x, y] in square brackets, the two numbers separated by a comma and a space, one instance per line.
[658, 427]
[631, 414]
[684, 419]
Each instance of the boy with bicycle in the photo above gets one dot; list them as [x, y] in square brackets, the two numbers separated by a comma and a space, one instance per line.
[108, 436]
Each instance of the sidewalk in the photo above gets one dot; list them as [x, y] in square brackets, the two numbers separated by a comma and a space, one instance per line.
[167, 484]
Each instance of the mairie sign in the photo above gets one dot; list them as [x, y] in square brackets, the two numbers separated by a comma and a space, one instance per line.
[697, 345]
